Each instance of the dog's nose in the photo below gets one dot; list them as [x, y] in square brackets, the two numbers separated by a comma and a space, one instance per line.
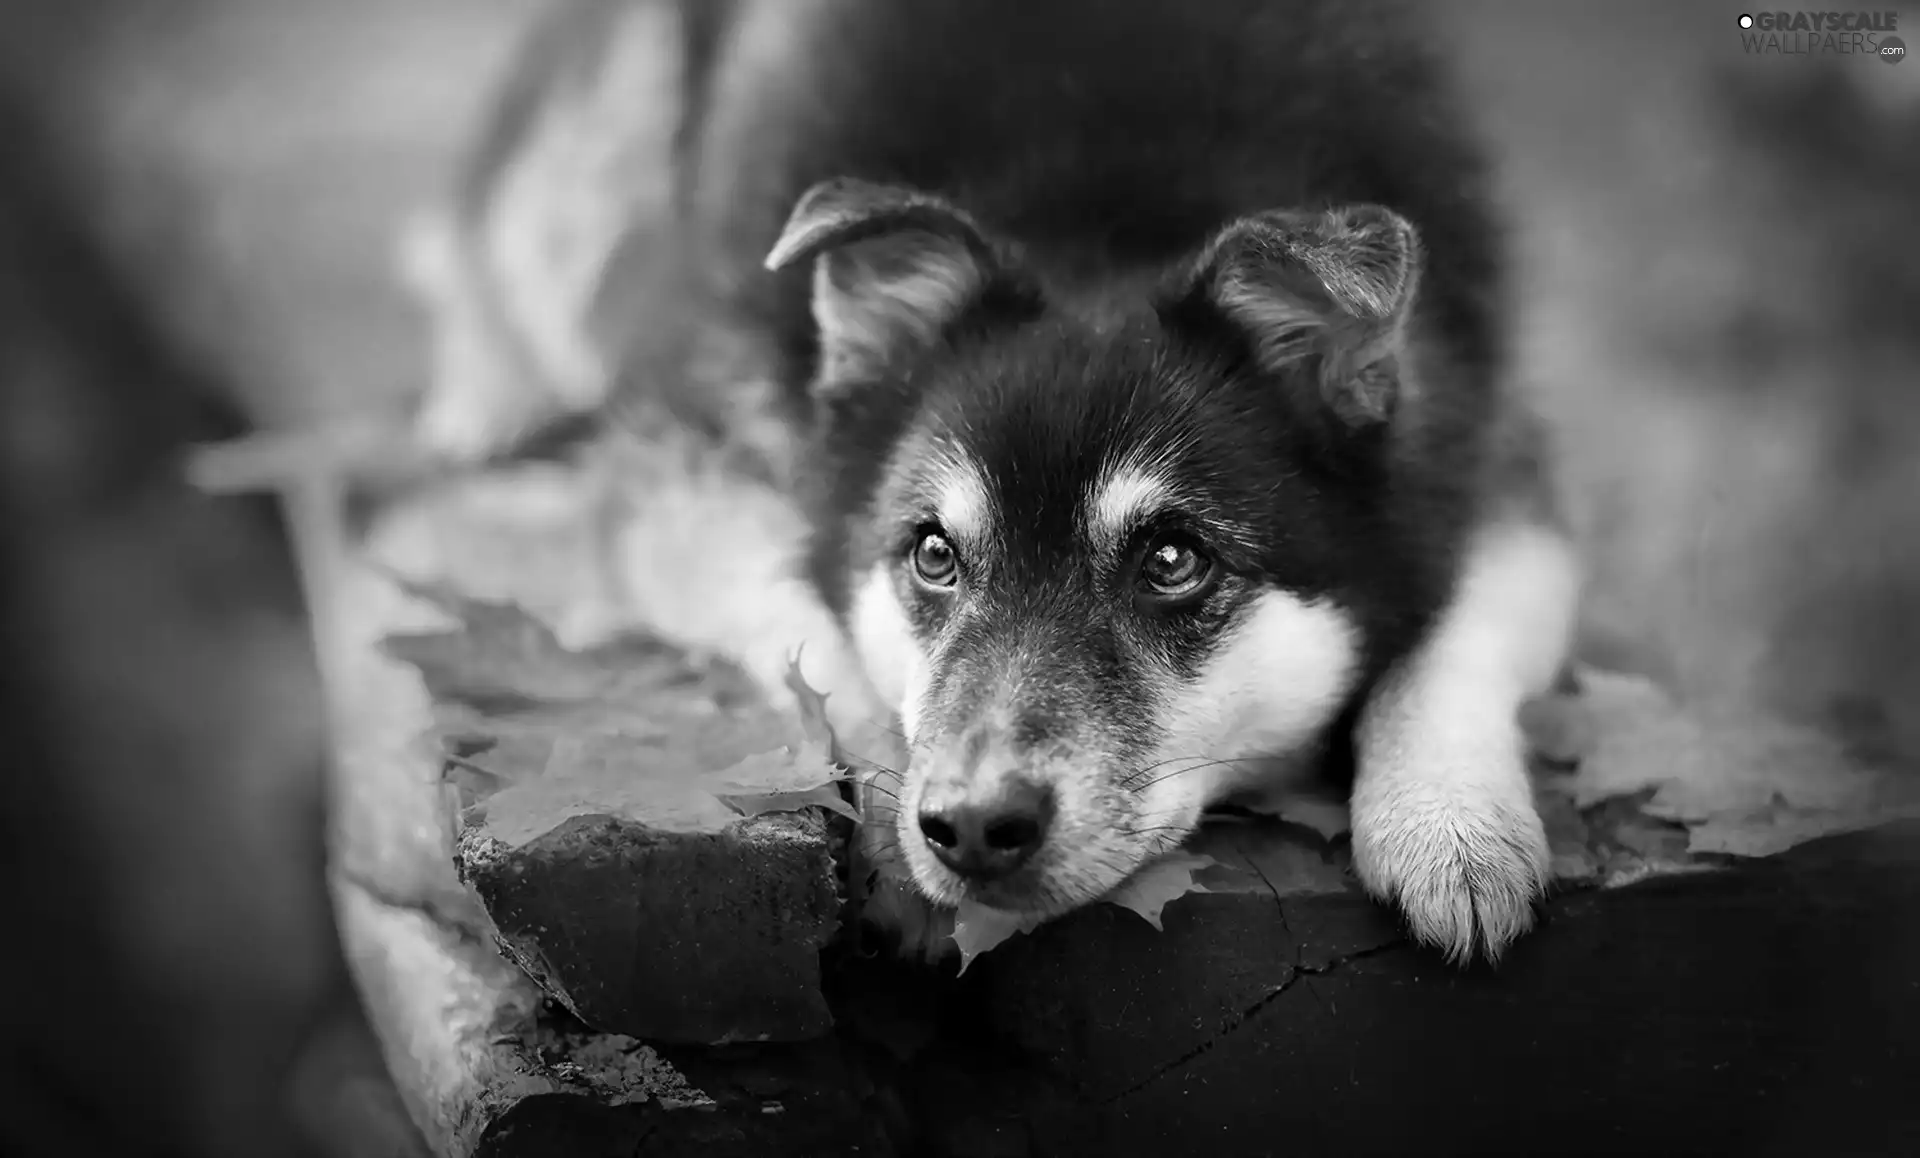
[991, 839]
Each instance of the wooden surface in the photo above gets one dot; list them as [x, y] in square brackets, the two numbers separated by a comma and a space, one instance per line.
[465, 1033]
[1770, 1008]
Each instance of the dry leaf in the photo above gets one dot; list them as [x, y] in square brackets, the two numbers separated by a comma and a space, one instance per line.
[781, 770]
[782, 781]
[759, 803]
[634, 728]
[976, 929]
[1742, 782]
[1305, 800]
[1329, 818]
[813, 706]
[1148, 891]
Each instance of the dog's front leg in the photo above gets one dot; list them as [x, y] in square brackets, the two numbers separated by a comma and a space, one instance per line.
[1444, 823]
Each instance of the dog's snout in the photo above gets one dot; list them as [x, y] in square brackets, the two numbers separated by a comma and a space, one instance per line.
[989, 839]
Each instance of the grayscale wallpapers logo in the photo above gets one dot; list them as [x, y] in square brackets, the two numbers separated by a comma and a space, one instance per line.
[1824, 34]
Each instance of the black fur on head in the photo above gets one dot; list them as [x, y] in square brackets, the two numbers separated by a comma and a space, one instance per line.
[1237, 361]
[1319, 300]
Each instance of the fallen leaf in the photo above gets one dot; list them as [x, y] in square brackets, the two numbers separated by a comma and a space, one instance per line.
[813, 709]
[1259, 856]
[1329, 818]
[977, 928]
[1148, 891]
[632, 728]
[500, 657]
[1307, 801]
[881, 749]
[782, 781]
[759, 803]
[1744, 783]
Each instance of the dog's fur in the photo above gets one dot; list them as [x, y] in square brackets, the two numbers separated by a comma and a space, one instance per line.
[1069, 282]
[1059, 280]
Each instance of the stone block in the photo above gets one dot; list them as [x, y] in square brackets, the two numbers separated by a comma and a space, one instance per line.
[707, 937]
[634, 824]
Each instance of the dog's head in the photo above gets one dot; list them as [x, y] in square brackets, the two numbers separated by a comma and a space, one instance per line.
[1094, 545]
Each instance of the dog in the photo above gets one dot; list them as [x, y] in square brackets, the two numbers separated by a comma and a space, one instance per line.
[1153, 443]
[1150, 362]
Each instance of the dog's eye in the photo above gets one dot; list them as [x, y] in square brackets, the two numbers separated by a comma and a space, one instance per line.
[933, 560]
[1174, 569]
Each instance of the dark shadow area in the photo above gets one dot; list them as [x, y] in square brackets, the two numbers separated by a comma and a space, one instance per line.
[175, 979]
[1766, 1008]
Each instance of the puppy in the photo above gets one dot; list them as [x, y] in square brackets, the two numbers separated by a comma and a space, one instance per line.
[1144, 368]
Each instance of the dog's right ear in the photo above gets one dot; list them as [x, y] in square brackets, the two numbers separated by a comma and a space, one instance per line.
[892, 267]
[1334, 287]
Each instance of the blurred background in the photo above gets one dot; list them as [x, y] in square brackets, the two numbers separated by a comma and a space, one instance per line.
[1720, 313]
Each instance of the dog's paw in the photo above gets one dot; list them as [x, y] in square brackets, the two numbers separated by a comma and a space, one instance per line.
[1465, 868]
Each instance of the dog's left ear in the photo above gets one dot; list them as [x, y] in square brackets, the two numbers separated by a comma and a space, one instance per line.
[892, 267]
[1335, 286]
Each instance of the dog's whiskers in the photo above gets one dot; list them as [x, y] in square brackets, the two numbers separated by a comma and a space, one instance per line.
[1132, 781]
[889, 793]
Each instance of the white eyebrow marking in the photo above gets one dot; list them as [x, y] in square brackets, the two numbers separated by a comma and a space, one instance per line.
[962, 502]
[1122, 498]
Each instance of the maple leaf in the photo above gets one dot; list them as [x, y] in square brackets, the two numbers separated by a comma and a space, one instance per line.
[631, 728]
[500, 660]
[824, 795]
[977, 928]
[814, 726]
[1742, 782]
[782, 781]
[1309, 803]
[1168, 878]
